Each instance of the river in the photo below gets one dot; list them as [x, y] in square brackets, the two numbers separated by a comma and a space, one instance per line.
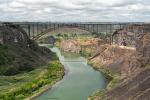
[80, 81]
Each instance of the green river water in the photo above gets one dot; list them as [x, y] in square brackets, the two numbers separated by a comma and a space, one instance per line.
[80, 81]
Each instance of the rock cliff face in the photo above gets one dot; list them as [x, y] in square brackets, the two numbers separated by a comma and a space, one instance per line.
[136, 85]
[70, 46]
[133, 66]
[136, 88]
[143, 49]
[115, 58]
[13, 34]
[76, 45]
[121, 36]
[25, 54]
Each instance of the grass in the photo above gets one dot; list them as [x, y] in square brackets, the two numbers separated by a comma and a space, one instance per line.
[26, 84]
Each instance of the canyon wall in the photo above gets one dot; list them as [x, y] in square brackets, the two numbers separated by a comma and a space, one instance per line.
[132, 64]
[18, 52]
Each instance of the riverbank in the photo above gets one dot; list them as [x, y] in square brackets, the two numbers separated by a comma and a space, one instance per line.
[25, 67]
[112, 78]
[130, 64]
[88, 79]
[110, 59]
[31, 84]
[56, 75]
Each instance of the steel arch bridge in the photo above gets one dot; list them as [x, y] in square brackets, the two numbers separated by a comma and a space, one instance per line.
[37, 29]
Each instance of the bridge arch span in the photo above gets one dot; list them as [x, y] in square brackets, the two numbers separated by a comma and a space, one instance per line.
[57, 28]
[36, 29]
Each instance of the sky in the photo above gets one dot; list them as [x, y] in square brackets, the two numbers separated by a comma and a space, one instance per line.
[75, 10]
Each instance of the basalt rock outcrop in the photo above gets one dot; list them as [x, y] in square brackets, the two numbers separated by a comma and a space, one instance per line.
[76, 45]
[143, 49]
[114, 57]
[133, 66]
[70, 46]
[19, 53]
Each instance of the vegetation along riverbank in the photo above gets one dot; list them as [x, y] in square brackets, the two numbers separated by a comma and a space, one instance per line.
[123, 65]
[125, 62]
[132, 66]
[27, 84]
[25, 67]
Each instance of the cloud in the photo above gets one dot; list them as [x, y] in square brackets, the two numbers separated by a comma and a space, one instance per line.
[75, 10]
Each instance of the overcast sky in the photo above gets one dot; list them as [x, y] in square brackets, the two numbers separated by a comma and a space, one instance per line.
[75, 10]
